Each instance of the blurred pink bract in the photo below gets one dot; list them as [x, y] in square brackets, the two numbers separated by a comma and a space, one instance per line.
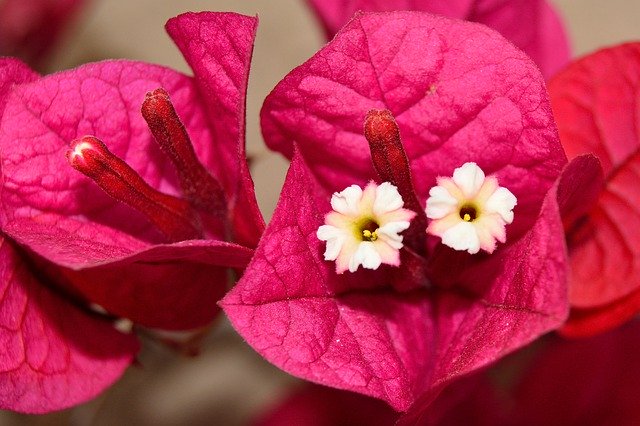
[595, 102]
[29, 29]
[532, 25]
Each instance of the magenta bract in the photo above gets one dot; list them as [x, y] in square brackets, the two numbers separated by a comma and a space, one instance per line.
[65, 218]
[395, 336]
[87, 245]
[541, 34]
[55, 353]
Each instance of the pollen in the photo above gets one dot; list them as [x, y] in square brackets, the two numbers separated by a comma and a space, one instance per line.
[369, 236]
[470, 211]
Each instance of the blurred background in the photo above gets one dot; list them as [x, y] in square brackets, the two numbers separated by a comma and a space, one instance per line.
[227, 384]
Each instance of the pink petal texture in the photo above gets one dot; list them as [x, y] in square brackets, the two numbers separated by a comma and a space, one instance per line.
[358, 333]
[86, 247]
[102, 249]
[54, 355]
[595, 103]
[30, 29]
[459, 92]
[532, 25]
[218, 48]
[104, 99]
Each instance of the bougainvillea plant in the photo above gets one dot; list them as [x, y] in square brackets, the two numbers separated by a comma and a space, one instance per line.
[29, 30]
[595, 102]
[95, 211]
[444, 103]
[532, 25]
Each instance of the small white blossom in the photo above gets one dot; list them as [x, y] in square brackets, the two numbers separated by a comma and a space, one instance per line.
[470, 211]
[364, 227]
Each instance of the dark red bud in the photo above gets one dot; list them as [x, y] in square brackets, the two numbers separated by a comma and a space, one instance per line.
[201, 189]
[391, 164]
[171, 215]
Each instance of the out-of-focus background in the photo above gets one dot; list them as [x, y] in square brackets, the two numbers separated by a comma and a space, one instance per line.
[227, 384]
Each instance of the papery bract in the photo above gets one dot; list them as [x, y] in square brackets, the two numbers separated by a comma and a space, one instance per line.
[90, 248]
[30, 29]
[54, 353]
[459, 93]
[595, 103]
[532, 25]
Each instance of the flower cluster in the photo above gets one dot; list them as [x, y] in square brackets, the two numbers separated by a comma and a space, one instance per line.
[142, 219]
[438, 215]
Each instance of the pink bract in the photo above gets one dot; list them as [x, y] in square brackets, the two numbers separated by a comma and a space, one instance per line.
[595, 104]
[54, 354]
[88, 248]
[532, 25]
[388, 333]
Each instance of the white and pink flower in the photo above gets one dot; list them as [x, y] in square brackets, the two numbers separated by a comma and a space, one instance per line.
[364, 227]
[470, 211]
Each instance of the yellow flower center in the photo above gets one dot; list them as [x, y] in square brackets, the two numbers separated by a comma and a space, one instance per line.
[369, 236]
[367, 229]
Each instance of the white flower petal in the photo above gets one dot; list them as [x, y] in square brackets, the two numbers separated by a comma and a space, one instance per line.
[462, 237]
[327, 232]
[387, 199]
[347, 201]
[395, 243]
[469, 178]
[470, 188]
[334, 246]
[502, 201]
[392, 229]
[366, 255]
[335, 239]
[440, 203]
[389, 234]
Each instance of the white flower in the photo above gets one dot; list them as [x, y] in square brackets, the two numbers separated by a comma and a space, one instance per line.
[364, 226]
[469, 212]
